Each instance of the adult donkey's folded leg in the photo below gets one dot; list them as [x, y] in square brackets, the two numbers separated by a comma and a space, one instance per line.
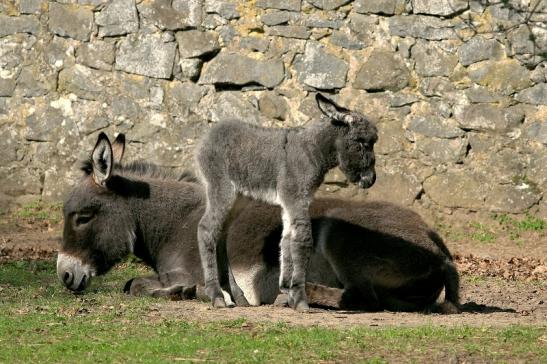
[172, 285]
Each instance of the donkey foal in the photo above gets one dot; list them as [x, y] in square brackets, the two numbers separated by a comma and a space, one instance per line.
[282, 167]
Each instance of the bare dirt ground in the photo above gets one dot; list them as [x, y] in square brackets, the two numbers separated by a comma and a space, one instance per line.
[503, 283]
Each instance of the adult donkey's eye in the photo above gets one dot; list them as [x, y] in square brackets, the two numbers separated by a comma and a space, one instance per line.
[84, 218]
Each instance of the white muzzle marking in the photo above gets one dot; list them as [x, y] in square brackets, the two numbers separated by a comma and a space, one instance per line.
[73, 273]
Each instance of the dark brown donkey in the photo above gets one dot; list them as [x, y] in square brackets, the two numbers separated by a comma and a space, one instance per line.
[373, 255]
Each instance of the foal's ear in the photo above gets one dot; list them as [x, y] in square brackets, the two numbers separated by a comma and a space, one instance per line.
[332, 110]
[118, 147]
[102, 160]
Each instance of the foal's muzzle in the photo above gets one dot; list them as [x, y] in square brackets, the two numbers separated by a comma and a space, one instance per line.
[367, 180]
[73, 273]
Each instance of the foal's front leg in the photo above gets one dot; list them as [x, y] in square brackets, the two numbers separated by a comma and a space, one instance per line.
[301, 245]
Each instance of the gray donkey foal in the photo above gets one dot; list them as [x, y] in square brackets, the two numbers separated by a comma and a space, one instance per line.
[282, 167]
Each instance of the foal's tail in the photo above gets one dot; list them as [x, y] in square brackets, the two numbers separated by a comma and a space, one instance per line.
[451, 302]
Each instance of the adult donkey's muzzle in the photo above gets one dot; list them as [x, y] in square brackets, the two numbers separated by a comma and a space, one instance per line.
[73, 273]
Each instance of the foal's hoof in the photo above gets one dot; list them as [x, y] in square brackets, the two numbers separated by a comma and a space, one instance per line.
[282, 300]
[218, 302]
[302, 306]
[298, 301]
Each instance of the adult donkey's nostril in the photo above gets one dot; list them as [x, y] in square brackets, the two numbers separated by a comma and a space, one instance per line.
[82, 285]
[68, 278]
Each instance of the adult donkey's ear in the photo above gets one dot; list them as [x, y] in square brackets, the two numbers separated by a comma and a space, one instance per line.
[102, 160]
[118, 147]
[332, 110]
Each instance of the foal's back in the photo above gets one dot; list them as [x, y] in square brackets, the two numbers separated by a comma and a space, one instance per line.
[245, 155]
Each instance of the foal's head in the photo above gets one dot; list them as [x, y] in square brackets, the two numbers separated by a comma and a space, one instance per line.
[98, 230]
[355, 144]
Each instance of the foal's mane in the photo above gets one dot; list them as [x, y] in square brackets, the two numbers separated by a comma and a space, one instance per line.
[144, 169]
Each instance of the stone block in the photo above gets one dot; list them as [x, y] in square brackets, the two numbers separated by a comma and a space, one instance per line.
[227, 9]
[229, 105]
[443, 150]
[395, 186]
[147, 55]
[236, 69]
[535, 95]
[18, 24]
[118, 17]
[7, 87]
[479, 49]
[289, 31]
[69, 20]
[421, 26]
[195, 43]
[457, 188]
[485, 117]
[97, 54]
[273, 106]
[432, 60]
[386, 7]
[382, 70]
[505, 76]
[439, 7]
[292, 5]
[319, 69]
[162, 14]
[434, 126]
[328, 4]
[82, 81]
[275, 18]
[30, 6]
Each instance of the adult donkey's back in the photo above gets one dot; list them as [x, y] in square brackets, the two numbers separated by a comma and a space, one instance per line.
[282, 167]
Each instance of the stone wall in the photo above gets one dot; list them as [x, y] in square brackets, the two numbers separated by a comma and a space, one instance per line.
[456, 87]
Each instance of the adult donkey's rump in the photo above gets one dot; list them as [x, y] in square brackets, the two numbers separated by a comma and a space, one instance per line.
[380, 255]
[283, 167]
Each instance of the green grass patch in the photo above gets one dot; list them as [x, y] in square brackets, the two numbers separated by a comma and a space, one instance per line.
[517, 228]
[40, 211]
[481, 233]
[42, 322]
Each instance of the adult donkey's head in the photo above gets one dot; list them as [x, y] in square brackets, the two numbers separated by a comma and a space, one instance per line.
[355, 144]
[98, 229]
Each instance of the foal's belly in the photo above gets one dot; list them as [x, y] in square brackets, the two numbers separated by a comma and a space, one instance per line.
[269, 195]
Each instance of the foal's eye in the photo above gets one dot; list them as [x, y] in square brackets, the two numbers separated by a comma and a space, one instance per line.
[363, 143]
[84, 218]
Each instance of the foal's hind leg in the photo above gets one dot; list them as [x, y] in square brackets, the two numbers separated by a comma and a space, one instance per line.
[220, 199]
[285, 266]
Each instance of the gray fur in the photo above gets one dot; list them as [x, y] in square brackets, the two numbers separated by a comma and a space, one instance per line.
[372, 255]
[283, 167]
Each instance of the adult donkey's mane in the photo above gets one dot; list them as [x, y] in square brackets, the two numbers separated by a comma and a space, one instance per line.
[144, 169]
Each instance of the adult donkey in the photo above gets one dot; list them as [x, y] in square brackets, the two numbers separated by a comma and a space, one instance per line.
[378, 255]
[283, 167]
